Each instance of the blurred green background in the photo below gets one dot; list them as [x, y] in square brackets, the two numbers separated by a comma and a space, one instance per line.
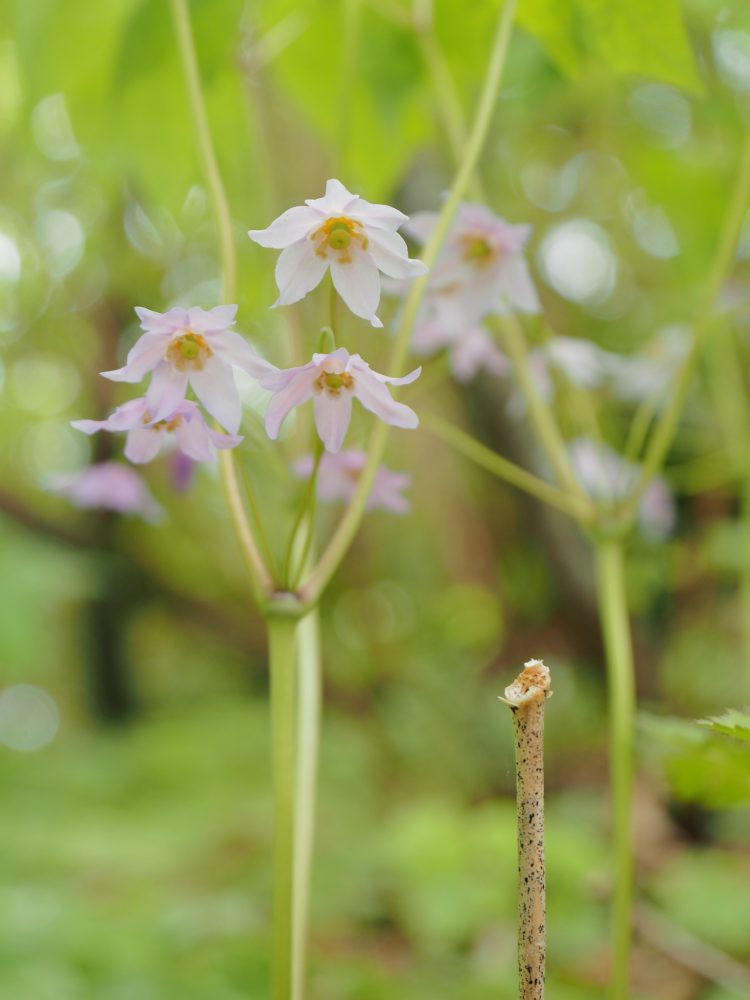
[136, 829]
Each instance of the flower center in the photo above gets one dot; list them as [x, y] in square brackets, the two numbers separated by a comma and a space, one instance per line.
[337, 234]
[477, 250]
[162, 425]
[331, 383]
[189, 352]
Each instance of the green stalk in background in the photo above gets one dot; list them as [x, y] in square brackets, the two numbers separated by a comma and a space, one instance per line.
[615, 625]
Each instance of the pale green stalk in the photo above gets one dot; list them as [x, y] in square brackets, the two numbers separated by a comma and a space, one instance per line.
[287, 959]
[666, 427]
[580, 510]
[186, 44]
[613, 615]
[348, 53]
[540, 415]
[342, 538]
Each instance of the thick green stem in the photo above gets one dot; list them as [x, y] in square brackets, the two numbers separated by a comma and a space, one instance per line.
[613, 614]
[308, 733]
[287, 947]
[347, 528]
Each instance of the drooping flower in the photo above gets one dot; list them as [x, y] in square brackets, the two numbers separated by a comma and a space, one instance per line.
[107, 486]
[339, 475]
[191, 347]
[332, 381]
[185, 426]
[482, 262]
[345, 233]
[608, 478]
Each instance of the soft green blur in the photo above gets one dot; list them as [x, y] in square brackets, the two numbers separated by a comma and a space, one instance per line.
[135, 839]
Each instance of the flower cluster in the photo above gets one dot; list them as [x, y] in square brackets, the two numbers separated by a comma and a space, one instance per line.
[480, 271]
[197, 349]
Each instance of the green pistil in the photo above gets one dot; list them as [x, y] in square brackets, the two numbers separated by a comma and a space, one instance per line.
[189, 347]
[339, 236]
[333, 381]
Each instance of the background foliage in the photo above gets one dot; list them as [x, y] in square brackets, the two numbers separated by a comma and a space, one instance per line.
[135, 838]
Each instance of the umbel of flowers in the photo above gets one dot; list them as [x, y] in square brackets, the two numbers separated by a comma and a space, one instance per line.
[197, 349]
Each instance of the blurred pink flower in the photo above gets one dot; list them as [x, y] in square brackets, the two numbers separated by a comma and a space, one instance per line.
[191, 347]
[481, 263]
[185, 426]
[338, 477]
[345, 233]
[332, 381]
[471, 348]
[608, 478]
[107, 486]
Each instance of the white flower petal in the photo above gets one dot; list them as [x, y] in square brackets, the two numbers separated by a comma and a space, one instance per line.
[210, 320]
[333, 415]
[391, 255]
[166, 391]
[143, 444]
[359, 365]
[517, 286]
[376, 398]
[297, 390]
[142, 358]
[214, 386]
[193, 440]
[298, 270]
[358, 284]
[156, 322]
[336, 201]
[234, 349]
[380, 216]
[290, 227]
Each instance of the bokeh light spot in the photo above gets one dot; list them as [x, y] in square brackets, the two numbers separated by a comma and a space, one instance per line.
[576, 259]
[29, 717]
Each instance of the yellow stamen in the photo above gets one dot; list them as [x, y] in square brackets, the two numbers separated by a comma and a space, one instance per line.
[337, 234]
[189, 352]
[477, 250]
[333, 382]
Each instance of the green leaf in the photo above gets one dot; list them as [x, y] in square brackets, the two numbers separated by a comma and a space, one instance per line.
[626, 37]
[698, 765]
[731, 723]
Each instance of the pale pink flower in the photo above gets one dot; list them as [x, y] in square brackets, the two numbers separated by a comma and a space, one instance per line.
[345, 233]
[339, 475]
[185, 427]
[470, 347]
[332, 381]
[608, 478]
[481, 262]
[107, 486]
[191, 347]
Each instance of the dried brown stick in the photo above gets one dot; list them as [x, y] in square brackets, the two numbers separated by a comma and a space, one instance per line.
[526, 697]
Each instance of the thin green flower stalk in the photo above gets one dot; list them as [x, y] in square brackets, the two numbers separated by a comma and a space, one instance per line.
[315, 583]
[526, 697]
